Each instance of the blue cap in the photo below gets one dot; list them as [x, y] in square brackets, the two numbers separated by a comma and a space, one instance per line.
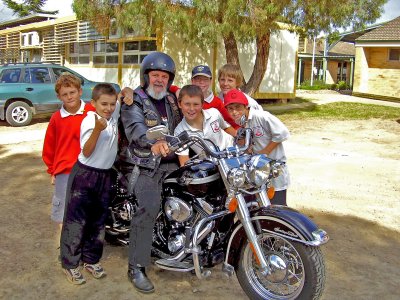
[201, 70]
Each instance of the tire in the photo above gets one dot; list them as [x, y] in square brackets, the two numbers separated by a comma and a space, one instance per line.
[301, 276]
[19, 114]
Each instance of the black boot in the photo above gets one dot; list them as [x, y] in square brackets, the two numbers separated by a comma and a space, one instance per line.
[140, 280]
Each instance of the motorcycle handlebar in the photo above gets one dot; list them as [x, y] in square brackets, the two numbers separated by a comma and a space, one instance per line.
[185, 138]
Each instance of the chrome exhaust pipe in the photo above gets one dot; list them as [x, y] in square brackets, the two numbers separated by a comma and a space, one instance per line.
[198, 237]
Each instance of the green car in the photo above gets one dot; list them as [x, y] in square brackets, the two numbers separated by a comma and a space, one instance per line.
[27, 89]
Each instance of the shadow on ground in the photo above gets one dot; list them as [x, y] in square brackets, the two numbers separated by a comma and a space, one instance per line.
[361, 257]
[35, 120]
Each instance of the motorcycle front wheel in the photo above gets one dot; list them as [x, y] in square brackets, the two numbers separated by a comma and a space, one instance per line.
[297, 270]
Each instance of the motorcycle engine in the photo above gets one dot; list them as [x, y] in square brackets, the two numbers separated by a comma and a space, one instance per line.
[124, 211]
[176, 242]
[177, 210]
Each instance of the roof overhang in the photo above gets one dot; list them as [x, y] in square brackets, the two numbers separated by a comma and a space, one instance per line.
[329, 57]
[26, 20]
[351, 36]
[393, 44]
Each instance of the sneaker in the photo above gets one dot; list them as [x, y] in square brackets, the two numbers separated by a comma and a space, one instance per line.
[96, 270]
[74, 276]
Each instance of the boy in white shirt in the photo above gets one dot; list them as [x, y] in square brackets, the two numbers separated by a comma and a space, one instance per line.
[207, 124]
[269, 133]
[89, 187]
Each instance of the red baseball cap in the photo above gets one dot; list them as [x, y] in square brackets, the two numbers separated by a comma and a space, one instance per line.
[235, 96]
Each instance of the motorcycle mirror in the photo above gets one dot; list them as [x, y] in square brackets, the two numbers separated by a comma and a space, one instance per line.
[241, 121]
[157, 132]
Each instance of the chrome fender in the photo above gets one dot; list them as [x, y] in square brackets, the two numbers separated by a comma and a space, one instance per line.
[278, 220]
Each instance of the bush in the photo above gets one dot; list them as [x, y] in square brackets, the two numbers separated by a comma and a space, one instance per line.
[317, 85]
[320, 85]
[342, 85]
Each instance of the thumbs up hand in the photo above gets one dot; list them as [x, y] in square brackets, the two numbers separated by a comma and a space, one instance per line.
[100, 123]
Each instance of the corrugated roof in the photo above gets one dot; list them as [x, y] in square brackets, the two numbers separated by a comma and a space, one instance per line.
[387, 32]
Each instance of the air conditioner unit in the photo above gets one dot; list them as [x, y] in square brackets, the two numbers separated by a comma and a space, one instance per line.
[30, 39]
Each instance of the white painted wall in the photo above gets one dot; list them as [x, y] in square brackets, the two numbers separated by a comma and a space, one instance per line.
[97, 74]
[279, 77]
[281, 66]
[280, 74]
[130, 77]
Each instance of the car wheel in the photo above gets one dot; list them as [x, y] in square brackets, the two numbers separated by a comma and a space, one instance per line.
[18, 114]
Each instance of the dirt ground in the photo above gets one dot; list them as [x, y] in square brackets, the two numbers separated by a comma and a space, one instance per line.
[345, 176]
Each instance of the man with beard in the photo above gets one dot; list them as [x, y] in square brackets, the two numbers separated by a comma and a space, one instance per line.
[145, 162]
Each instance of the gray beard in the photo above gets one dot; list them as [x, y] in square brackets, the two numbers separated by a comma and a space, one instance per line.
[158, 96]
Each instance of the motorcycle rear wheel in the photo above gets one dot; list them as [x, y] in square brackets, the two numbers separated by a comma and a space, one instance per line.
[298, 271]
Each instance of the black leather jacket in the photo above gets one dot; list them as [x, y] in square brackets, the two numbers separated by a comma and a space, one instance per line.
[134, 122]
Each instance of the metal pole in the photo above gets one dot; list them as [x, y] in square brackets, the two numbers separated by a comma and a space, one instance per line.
[299, 72]
[312, 62]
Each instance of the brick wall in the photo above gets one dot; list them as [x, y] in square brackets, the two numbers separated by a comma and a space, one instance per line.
[375, 74]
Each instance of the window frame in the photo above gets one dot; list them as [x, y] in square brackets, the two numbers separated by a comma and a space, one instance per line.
[398, 54]
[105, 53]
[139, 52]
[78, 55]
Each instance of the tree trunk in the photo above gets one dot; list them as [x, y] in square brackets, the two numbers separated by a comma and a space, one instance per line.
[231, 51]
[260, 65]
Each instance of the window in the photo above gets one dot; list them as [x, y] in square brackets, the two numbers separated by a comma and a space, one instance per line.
[10, 75]
[79, 53]
[59, 71]
[394, 54]
[105, 53]
[37, 75]
[135, 51]
[342, 71]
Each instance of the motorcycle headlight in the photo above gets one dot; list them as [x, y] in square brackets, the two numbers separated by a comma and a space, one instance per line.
[237, 177]
[258, 170]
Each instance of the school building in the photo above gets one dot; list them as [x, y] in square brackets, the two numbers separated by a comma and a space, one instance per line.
[116, 58]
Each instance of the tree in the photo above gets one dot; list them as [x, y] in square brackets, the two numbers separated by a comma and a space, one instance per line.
[235, 21]
[28, 7]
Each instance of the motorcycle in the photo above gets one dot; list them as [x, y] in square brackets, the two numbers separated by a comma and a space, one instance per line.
[217, 210]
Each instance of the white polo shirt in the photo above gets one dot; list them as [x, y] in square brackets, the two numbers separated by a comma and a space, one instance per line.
[64, 113]
[266, 128]
[252, 103]
[213, 129]
[104, 154]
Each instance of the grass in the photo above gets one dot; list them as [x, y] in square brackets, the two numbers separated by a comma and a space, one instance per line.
[343, 111]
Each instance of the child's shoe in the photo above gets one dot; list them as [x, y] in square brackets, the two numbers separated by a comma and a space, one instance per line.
[74, 276]
[95, 269]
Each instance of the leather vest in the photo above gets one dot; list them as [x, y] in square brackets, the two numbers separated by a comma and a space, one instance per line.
[135, 149]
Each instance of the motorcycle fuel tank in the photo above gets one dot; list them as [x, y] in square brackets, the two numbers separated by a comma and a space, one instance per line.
[199, 178]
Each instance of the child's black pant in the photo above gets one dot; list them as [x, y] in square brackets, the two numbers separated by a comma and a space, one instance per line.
[88, 197]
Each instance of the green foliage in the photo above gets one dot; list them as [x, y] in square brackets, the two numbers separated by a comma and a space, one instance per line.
[203, 23]
[342, 85]
[317, 85]
[28, 7]
[345, 111]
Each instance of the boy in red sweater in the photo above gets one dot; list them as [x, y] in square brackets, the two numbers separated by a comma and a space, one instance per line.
[62, 141]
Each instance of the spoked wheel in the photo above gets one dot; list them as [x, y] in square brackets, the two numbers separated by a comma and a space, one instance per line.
[297, 271]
